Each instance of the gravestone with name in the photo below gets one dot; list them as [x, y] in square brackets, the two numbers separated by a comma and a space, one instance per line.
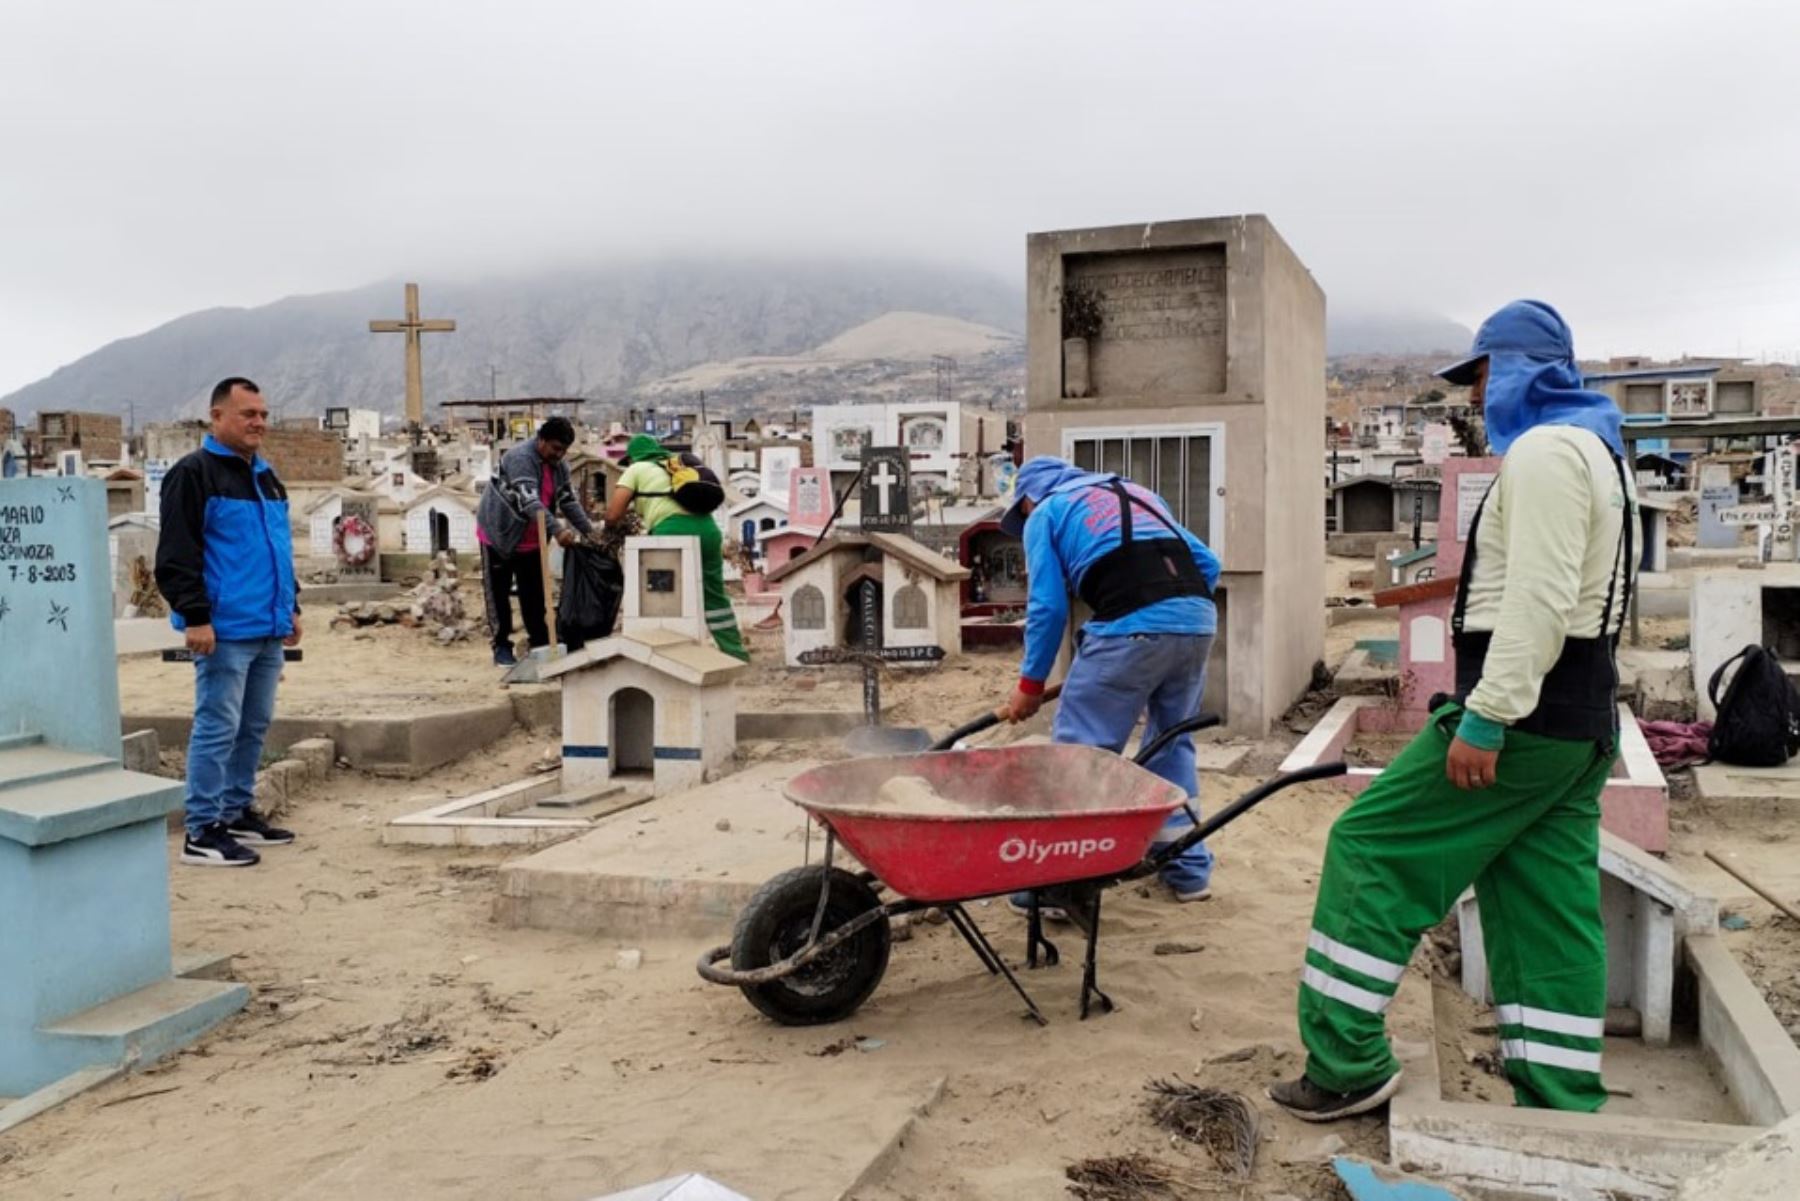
[778, 466]
[1205, 352]
[886, 490]
[810, 502]
[1434, 443]
[1718, 492]
[85, 958]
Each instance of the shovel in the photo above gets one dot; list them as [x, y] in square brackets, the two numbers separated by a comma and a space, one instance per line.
[910, 740]
[984, 722]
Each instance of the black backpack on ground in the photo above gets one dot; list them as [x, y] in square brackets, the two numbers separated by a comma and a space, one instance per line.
[1758, 722]
[593, 585]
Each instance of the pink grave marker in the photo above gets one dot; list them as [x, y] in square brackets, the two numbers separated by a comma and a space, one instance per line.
[809, 499]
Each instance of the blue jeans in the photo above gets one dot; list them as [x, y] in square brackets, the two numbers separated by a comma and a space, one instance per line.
[1114, 680]
[234, 701]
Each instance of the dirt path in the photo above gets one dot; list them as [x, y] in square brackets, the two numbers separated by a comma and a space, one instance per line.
[399, 1044]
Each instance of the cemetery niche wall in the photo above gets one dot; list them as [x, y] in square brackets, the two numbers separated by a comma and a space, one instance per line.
[1205, 365]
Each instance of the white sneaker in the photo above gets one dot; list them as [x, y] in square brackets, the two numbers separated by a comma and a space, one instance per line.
[1198, 894]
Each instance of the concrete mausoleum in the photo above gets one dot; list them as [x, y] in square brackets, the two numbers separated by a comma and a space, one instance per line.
[1206, 381]
[654, 702]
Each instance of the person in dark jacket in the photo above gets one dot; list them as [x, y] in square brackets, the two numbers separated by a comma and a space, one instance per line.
[225, 564]
[532, 479]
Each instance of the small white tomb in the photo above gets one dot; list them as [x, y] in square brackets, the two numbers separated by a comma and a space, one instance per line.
[654, 702]
[920, 595]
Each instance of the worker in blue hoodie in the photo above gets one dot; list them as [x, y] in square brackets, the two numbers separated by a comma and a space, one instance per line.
[1115, 545]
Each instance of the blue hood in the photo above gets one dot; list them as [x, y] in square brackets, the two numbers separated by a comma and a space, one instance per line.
[1532, 378]
[1040, 477]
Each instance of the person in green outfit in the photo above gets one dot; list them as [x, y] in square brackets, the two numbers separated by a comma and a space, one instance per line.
[1502, 788]
[647, 484]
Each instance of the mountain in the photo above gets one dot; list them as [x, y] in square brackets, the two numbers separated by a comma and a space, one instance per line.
[615, 334]
[1373, 331]
[598, 333]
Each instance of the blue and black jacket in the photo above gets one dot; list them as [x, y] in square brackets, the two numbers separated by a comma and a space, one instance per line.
[225, 557]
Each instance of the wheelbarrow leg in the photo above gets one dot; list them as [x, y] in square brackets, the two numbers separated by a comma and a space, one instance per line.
[990, 958]
[1090, 988]
[1034, 938]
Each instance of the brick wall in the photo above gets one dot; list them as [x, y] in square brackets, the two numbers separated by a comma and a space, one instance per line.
[305, 454]
[98, 436]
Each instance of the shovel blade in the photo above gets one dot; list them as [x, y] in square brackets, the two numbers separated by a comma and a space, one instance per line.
[887, 740]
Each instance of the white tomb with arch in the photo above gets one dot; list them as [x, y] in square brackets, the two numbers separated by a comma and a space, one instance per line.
[654, 703]
[920, 594]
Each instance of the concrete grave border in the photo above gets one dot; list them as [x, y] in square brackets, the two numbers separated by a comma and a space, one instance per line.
[480, 820]
[1634, 803]
[1597, 1157]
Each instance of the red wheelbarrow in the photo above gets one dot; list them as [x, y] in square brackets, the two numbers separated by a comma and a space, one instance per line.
[1061, 821]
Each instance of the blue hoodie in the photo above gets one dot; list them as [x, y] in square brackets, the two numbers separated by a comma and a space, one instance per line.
[1533, 380]
[1075, 523]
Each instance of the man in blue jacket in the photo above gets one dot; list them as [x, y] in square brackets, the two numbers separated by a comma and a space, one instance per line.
[225, 564]
[1143, 653]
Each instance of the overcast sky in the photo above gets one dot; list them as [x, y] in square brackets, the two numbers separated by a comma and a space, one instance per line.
[1635, 162]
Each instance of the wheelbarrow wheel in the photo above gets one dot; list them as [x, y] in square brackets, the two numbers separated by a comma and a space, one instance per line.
[777, 922]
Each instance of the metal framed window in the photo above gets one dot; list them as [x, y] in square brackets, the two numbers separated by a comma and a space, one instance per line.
[1183, 464]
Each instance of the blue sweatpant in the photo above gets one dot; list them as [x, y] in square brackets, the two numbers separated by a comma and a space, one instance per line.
[1116, 679]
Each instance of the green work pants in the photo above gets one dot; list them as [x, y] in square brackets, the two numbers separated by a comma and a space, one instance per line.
[721, 618]
[1396, 862]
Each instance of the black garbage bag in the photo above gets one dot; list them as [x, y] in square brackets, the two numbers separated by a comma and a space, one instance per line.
[593, 586]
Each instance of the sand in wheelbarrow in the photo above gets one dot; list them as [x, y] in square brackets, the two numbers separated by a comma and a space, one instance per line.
[914, 796]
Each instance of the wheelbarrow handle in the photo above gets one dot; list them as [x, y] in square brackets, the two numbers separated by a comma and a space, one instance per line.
[1239, 807]
[1149, 751]
[985, 721]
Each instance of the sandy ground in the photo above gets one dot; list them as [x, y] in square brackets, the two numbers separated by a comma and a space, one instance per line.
[400, 1044]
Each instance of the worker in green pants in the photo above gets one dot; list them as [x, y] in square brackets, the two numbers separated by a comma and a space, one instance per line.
[647, 482]
[1502, 788]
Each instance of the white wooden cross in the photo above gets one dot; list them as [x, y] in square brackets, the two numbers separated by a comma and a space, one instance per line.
[1775, 519]
[884, 478]
[412, 327]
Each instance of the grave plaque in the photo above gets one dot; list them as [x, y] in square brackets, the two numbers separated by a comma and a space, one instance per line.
[356, 540]
[1162, 319]
[810, 503]
[1718, 491]
[1434, 443]
[778, 466]
[56, 614]
[886, 490]
[1470, 490]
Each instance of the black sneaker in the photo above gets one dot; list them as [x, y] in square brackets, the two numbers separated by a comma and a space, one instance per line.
[215, 847]
[249, 827]
[1310, 1103]
[504, 657]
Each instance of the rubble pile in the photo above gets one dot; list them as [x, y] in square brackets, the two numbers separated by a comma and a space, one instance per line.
[435, 604]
